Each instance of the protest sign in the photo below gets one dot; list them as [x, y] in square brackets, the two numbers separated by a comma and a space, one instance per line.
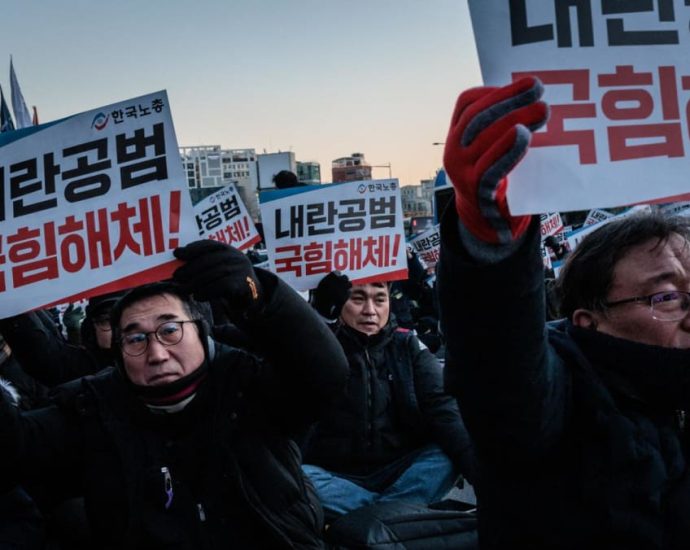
[617, 79]
[223, 217]
[91, 203]
[550, 224]
[676, 209]
[597, 215]
[354, 227]
[575, 237]
[427, 245]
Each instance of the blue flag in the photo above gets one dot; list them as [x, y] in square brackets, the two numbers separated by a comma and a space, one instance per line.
[6, 123]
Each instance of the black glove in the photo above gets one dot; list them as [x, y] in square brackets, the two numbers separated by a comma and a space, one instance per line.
[330, 295]
[216, 270]
[72, 317]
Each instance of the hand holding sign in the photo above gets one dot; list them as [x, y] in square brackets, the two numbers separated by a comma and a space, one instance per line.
[489, 134]
[216, 270]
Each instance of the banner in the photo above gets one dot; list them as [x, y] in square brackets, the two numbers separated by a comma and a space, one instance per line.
[617, 80]
[427, 245]
[354, 227]
[90, 204]
[223, 217]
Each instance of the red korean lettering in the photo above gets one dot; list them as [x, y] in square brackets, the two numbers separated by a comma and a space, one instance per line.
[318, 258]
[555, 133]
[33, 254]
[658, 139]
[289, 259]
[72, 245]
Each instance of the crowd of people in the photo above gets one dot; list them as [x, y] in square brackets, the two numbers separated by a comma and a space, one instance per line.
[222, 409]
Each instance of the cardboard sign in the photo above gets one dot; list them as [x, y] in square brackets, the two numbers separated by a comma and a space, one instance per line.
[617, 79]
[90, 204]
[355, 227]
[550, 224]
[223, 217]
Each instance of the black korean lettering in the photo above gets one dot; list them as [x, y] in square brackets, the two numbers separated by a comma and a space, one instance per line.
[585, 28]
[135, 148]
[615, 26]
[87, 179]
[295, 222]
[320, 218]
[24, 181]
[230, 207]
[520, 31]
[382, 212]
[2, 193]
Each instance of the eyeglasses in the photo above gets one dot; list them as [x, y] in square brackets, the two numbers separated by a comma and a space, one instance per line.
[671, 305]
[102, 323]
[168, 334]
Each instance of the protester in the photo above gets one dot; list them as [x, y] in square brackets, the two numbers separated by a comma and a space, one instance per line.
[577, 427]
[188, 444]
[394, 435]
[46, 356]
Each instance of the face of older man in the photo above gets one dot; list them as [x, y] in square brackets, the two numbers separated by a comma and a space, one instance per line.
[368, 308]
[160, 364]
[651, 268]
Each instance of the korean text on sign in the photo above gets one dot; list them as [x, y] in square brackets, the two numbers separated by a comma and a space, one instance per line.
[356, 228]
[88, 201]
[617, 79]
[428, 246]
[223, 217]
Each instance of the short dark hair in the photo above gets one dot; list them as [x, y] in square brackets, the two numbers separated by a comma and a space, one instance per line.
[193, 308]
[587, 274]
[285, 179]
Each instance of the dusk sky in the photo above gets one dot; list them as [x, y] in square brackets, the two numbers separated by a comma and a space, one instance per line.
[321, 78]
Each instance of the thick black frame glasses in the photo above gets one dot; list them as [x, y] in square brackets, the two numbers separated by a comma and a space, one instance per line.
[168, 334]
[669, 305]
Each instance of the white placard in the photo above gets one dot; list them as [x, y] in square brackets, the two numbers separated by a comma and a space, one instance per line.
[617, 79]
[90, 204]
[355, 227]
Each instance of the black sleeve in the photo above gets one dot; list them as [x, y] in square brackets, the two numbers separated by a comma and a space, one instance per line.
[43, 354]
[512, 388]
[306, 358]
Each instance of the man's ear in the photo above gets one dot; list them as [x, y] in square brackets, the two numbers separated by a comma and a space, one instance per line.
[585, 318]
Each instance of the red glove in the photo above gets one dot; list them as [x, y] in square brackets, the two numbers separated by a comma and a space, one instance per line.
[489, 134]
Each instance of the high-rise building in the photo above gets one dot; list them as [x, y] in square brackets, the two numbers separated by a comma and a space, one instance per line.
[208, 166]
[352, 168]
[309, 172]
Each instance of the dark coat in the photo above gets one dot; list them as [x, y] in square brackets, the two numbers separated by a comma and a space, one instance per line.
[234, 469]
[566, 459]
[395, 404]
[45, 355]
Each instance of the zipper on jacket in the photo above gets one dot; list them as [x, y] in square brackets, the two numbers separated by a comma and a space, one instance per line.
[202, 512]
[370, 403]
[167, 486]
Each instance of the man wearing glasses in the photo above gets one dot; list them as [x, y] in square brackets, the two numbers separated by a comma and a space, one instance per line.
[189, 443]
[579, 426]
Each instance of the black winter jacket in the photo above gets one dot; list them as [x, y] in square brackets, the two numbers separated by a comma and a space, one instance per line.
[223, 473]
[569, 457]
[395, 404]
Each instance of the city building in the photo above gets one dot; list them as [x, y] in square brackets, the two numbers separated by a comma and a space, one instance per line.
[209, 166]
[414, 203]
[309, 172]
[352, 168]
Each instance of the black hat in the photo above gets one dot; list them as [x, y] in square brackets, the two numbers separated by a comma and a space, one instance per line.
[103, 303]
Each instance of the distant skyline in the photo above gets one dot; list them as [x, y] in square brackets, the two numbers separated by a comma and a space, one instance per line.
[320, 78]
